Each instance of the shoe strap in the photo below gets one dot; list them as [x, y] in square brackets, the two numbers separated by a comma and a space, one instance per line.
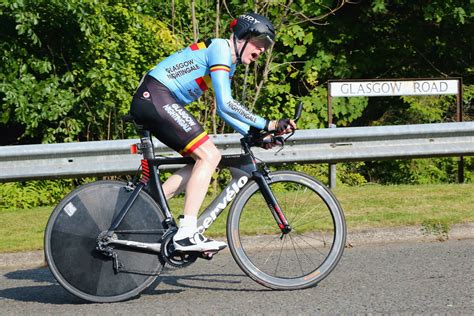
[200, 237]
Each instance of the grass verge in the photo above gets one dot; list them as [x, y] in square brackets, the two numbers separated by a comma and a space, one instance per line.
[370, 206]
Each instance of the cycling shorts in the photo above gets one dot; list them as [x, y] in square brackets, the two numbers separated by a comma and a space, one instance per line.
[155, 107]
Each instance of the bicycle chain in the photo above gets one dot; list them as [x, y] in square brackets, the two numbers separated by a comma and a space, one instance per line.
[167, 256]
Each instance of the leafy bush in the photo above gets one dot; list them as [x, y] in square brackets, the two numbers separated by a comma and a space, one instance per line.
[418, 171]
[69, 67]
[346, 173]
[33, 193]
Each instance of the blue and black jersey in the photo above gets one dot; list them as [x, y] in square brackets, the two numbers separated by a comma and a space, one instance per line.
[194, 69]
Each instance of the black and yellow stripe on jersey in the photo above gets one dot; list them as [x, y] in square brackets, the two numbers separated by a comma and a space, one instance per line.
[219, 67]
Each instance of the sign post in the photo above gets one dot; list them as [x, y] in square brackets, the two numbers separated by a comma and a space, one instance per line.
[396, 87]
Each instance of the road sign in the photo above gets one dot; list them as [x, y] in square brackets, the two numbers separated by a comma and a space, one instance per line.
[393, 88]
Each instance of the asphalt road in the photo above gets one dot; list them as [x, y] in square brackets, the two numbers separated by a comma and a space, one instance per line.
[402, 278]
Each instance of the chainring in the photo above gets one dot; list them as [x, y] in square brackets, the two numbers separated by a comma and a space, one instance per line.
[174, 258]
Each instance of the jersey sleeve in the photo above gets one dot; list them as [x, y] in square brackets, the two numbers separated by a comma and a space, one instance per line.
[237, 125]
[233, 112]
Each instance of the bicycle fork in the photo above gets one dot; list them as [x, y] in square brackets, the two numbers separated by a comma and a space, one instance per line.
[272, 203]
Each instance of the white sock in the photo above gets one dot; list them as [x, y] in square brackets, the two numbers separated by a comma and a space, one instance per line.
[187, 227]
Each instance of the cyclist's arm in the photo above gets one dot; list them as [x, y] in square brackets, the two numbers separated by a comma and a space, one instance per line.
[237, 125]
[219, 60]
[228, 108]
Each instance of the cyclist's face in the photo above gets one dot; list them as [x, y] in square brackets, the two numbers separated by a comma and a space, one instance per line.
[253, 50]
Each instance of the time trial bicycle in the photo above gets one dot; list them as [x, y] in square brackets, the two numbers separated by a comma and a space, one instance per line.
[107, 241]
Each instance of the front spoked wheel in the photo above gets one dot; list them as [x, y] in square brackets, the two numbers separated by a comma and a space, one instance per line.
[296, 260]
[71, 242]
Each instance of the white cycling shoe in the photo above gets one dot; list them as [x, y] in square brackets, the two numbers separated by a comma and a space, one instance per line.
[198, 243]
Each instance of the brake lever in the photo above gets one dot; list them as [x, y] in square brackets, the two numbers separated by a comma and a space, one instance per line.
[291, 134]
[299, 110]
[282, 141]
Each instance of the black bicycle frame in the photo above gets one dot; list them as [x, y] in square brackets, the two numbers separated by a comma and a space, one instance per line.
[243, 168]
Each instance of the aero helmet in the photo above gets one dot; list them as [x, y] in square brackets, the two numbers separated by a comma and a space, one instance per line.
[252, 25]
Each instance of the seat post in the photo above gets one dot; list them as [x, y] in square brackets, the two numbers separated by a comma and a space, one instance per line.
[146, 144]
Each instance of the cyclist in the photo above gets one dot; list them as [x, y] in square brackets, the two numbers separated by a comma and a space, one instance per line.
[178, 80]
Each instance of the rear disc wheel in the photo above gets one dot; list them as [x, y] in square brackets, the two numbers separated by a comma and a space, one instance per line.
[71, 240]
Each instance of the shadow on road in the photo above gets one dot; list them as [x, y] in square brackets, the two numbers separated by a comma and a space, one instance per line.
[50, 292]
[206, 281]
[36, 275]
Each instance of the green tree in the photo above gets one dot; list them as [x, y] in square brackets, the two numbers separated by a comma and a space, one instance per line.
[70, 67]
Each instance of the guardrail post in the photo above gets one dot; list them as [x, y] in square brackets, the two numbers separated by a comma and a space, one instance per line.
[461, 169]
[332, 169]
[459, 102]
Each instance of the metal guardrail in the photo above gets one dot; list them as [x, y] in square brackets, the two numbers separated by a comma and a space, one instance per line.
[68, 160]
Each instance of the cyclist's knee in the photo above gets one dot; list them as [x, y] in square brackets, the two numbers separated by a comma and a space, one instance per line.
[214, 156]
[209, 153]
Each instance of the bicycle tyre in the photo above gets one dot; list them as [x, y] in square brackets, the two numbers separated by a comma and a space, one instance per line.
[303, 257]
[71, 241]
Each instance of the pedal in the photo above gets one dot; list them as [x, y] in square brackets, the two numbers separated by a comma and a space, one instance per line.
[208, 255]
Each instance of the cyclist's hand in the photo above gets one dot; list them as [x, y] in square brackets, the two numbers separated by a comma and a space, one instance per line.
[283, 126]
[271, 141]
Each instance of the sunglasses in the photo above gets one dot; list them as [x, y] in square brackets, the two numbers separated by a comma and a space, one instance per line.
[262, 40]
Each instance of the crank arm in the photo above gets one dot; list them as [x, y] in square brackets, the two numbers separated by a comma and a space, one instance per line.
[153, 247]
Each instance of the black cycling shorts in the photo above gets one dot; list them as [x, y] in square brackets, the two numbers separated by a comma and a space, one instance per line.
[155, 107]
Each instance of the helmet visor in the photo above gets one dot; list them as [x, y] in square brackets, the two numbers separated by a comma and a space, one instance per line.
[262, 40]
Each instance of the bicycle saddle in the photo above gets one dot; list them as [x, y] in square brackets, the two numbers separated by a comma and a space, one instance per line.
[128, 118]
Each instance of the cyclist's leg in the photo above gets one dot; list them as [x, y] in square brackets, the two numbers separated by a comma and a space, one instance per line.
[207, 158]
[156, 107]
[187, 238]
[176, 183]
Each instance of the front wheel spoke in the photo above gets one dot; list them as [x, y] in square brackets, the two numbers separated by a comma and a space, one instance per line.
[310, 245]
[300, 205]
[269, 256]
[307, 257]
[303, 204]
[266, 244]
[323, 239]
[269, 242]
[294, 224]
[296, 254]
[296, 197]
[279, 257]
[322, 216]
